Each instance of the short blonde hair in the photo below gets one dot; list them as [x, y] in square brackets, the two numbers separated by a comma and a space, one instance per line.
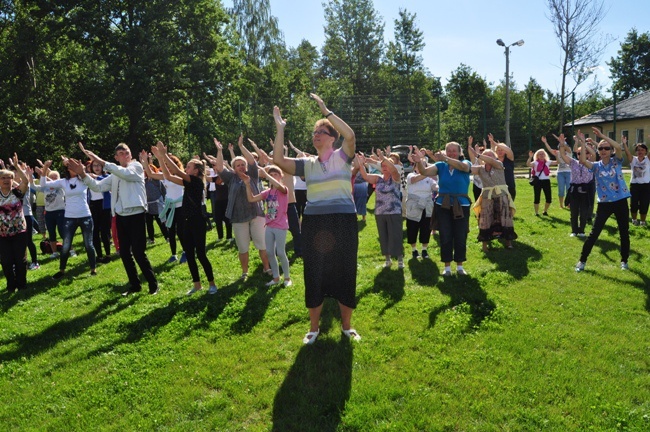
[5, 172]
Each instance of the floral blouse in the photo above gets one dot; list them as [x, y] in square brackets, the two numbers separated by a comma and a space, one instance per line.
[12, 220]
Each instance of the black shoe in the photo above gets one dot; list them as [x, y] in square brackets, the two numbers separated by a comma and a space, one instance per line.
[130, 291]
[93, 272]
[154, 291]
[415, 254]
[58, 275]
[425, 254]
[545, 214]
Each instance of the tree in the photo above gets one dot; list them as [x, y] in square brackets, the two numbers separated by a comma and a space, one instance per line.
[630, 70]
[405, 53]
[576, 29]
[258, 32]
[354, 44]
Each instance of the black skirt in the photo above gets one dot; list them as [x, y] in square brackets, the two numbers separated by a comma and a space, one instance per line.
[330, 244]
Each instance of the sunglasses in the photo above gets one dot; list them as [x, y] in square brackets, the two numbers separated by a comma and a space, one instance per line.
[604, 148]
[320, 132]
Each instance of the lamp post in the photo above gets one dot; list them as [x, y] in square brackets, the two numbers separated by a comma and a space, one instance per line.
[501, 43]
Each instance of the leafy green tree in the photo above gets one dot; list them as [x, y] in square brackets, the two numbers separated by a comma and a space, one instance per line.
[466, 91]
[257, 30]
[354, 45]
[630, 70]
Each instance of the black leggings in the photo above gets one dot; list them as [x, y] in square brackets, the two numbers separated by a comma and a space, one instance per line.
[30, 241]
[194, 242]
[604, 210]
[176, 229]
[101, 227]
[640, 199]
[162, 226]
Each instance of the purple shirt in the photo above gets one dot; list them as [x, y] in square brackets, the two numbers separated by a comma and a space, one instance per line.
[580, 174]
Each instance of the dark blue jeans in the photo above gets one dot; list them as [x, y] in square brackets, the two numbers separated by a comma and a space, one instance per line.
[453, 234]
[71, 224]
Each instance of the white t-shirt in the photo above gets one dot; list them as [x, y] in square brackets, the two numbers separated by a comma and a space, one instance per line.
[174, 191]
[640, 170]
[423, 188]
[76, 202]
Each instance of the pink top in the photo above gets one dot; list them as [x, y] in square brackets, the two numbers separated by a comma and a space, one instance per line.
[276, 209]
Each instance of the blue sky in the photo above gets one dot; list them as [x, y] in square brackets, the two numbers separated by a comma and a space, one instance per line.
[465, 31]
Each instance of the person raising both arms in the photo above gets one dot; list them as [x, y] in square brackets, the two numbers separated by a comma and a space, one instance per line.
[193, 181]
[128, 203]
[612, 194]
[330, 235]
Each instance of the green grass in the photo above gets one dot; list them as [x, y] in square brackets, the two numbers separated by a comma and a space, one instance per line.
[524, 343]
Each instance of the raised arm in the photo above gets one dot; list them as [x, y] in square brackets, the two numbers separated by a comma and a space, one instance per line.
[349, 139]
[391, 166]
[144, 160]
[24, 181]
[249, 192]
[169, 168]
[261, 154]
[285, 163]
[418, 158]
[361, 161]
[281, 187]
[611, 142]
[489, 160]
[626, 149]
[244, 151]
[583, 157]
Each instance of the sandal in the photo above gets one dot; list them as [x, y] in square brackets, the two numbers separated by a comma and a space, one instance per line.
[351, 334]
[310, 337]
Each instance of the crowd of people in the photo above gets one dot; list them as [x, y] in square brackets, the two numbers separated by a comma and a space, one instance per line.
[318, 198]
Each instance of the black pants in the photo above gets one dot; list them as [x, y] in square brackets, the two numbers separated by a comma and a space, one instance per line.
[219, 216]
[301, 201]
[30, 238]
[294, 228]
[194, 247]
[163, 228]
[176, 229]
[579, 195]
[14, 264]
[421, 228]
[620, 210]
[101, 227]
[640, 199]
[133, 243]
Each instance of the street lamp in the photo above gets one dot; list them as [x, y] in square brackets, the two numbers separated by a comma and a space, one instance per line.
[501, 43]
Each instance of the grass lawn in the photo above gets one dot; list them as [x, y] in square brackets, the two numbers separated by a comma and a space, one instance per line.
[523, 343]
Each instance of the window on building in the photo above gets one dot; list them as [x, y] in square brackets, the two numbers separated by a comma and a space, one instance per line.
[626, 134]
[610, 134]
[639, 136]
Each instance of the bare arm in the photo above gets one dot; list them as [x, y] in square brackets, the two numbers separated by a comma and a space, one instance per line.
[285, 163]
[244, 151]
[349, 139]
[160, 151]
[611, 142]
[249, 192]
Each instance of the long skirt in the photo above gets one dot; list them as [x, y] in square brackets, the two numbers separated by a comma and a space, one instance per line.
[330, 243]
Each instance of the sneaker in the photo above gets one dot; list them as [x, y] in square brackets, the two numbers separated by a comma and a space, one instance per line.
[461, 272]
[34, 266]
[193, 290]
[582, 235]
[635, 222]
[58, 275]
[545, 214]
[73, 253]
[172, 259]
[183, 259]
[446, 273]
[388, 263]
[400, 264]
[272, 283]
[93, 272]
[643, 223]
[573, 235]
[243, 276]
[425, 254]
[54, 255]
[415, 254]
[213, 289]
[580, 266]
[624, 266]
[288, 283]
[151, 241]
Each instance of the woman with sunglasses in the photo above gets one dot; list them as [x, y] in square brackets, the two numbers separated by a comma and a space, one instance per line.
[329, 226]
[612, 194]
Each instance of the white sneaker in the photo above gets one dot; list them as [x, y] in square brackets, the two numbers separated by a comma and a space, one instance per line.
[624, 266]
[580, 266]
[73, 253]
[388, 263]
[288, 282]
[193, 290]
[213, 289]
[582, 235]
[54, 255]
[573, 235]
[34, 266]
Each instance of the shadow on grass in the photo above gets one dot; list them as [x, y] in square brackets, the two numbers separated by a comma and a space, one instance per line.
[390, 285]
[464, 290]
[28, 346]
[514, 261]
[255, 308]
[424, 271]
[316, 389]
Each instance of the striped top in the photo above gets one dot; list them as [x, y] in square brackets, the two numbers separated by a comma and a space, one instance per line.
[329, 187]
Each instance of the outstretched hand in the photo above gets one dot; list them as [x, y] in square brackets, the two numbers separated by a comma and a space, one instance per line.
[277, 116]
[76, 166]
[217, 144]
